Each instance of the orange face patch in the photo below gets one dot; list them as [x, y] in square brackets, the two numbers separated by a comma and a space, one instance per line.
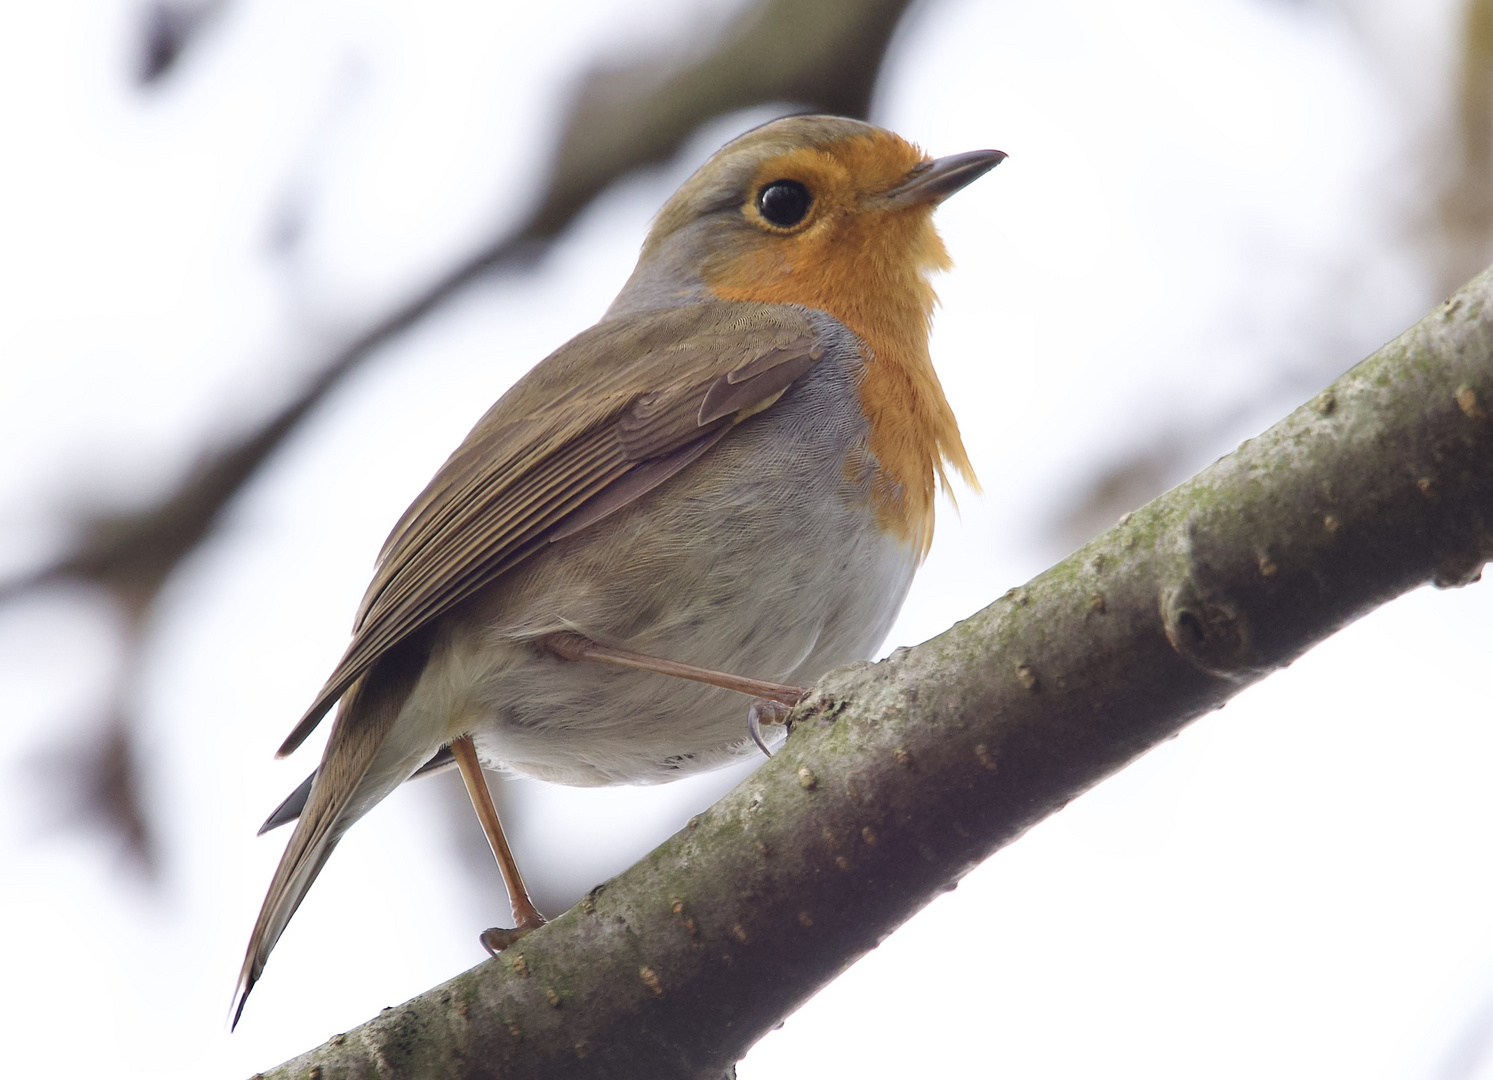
[865, 261]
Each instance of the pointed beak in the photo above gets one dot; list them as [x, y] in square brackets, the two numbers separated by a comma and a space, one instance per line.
[934, 181]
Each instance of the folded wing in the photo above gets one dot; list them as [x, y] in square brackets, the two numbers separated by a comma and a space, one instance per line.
[610, 415]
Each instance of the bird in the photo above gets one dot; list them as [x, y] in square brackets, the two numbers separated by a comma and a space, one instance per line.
[723, 488]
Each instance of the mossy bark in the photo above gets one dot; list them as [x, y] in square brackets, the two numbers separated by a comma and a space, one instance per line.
[901, 776]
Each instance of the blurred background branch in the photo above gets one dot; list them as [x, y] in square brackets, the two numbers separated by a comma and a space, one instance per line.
[1463, 206]
[167, 30]
[1454, 228]
[817, 57]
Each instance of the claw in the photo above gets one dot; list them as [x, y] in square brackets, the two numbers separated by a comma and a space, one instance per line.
[497, 938]
[754, 726]
[765, 711]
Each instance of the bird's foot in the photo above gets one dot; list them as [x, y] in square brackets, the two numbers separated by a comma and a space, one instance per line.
[766, 711]
[497, 938]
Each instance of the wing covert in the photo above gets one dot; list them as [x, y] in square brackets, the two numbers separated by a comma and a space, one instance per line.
[607, 417]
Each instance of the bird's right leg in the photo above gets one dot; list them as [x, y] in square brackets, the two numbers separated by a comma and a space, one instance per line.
[526, 916]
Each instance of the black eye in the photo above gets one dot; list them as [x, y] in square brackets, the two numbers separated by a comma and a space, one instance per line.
[784, 202]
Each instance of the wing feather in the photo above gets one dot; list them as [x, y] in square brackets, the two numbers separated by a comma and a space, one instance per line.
[609, 416]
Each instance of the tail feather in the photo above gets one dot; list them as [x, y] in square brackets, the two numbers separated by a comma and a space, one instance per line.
[364, 719]
[290, 808]
[298, 869]
[295, 802]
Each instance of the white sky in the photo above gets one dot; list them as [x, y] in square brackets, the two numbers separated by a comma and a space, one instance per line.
[1209, 210]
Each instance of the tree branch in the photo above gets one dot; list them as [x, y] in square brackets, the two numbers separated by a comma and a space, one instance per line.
[903, 775]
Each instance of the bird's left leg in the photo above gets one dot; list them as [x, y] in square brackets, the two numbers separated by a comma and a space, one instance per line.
[568, 646]
[774, 700]
[526, 916]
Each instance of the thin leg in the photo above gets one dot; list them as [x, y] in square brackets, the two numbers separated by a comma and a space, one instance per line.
[569, 646]
[526, 916]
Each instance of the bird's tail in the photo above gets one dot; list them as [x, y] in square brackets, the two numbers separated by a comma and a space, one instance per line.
[364, 719]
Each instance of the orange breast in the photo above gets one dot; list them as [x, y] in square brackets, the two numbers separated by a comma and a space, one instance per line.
[871, 272]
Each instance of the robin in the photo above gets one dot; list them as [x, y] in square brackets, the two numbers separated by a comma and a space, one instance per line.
[724, 487]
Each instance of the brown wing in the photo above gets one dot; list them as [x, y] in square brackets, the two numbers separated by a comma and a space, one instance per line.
[611, 414]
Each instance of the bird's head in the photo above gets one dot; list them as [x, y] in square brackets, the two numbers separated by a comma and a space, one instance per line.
[815, 210]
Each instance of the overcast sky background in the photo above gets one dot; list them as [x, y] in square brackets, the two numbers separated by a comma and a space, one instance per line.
[1211, 208]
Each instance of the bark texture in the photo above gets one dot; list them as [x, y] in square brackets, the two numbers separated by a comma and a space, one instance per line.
[901, 776]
